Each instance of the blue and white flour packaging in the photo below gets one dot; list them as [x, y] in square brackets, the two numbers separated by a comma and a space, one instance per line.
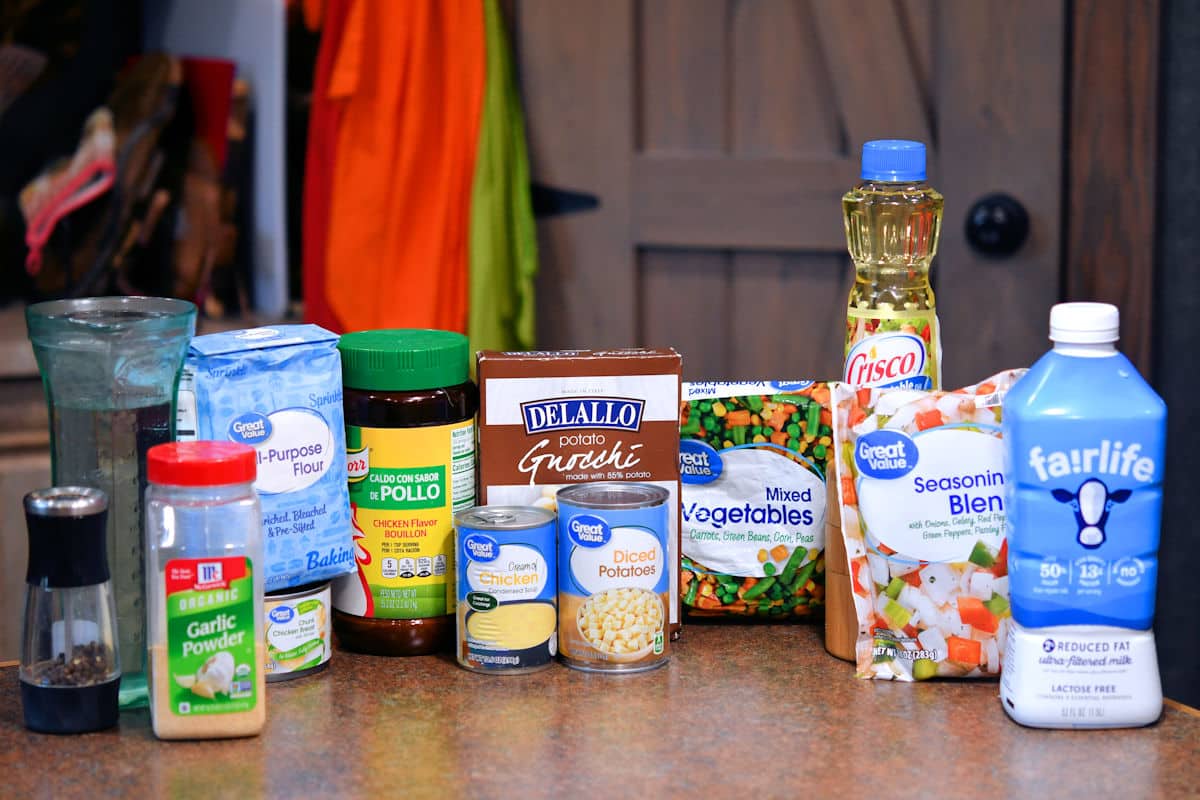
[279, 390]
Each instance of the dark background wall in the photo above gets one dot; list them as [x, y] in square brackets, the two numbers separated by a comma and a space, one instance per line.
[1178, 331]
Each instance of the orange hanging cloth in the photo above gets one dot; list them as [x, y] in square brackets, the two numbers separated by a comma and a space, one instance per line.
[412, 77]
[324, 122]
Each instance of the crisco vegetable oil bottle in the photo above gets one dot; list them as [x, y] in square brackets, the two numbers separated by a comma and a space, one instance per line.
[892, 223]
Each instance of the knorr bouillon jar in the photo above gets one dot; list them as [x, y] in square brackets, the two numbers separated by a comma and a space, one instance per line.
[410, 439]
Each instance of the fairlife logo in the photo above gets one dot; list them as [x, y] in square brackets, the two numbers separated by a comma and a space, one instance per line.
[1107, 458]
[888, 359]
[565, 413]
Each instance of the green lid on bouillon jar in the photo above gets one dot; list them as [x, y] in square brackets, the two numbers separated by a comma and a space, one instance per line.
[403, 359]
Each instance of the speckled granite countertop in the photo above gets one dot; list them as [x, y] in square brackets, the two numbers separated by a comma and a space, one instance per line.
[738, 709]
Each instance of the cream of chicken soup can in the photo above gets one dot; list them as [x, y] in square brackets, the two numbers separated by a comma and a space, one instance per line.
[507, 589]
[614, 576]
[297, 630]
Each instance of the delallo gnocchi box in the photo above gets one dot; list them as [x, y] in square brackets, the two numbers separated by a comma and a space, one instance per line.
[561, 418]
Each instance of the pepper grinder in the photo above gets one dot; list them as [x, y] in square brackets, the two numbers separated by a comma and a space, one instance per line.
[70, 670]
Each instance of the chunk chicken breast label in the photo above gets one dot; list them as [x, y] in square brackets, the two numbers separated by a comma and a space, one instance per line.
[921, 488]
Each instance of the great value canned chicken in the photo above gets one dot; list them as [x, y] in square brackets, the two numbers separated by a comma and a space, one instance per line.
[614, 576]
[507, 591]
[297, 629]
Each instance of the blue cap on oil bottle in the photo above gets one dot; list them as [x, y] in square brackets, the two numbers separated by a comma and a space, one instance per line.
[893, 161]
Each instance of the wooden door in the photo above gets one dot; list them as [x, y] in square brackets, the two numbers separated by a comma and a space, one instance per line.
[719, 136]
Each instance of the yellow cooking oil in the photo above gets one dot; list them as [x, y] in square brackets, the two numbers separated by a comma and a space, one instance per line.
[893, 218]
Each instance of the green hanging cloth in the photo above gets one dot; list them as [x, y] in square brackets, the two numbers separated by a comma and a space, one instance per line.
[503, 245]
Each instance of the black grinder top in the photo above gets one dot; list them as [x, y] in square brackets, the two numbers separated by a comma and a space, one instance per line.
[66, 537]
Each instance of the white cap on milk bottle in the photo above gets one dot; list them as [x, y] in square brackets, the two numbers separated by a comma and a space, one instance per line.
[1084, 323]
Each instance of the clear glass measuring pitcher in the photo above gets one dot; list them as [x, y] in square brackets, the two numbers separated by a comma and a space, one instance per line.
[110, 367]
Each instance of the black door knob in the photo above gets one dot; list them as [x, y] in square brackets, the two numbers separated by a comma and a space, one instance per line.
[997, 225]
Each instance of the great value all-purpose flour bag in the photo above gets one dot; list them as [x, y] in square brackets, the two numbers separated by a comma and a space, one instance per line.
[753, 458]
[279, 390]
[922, 497]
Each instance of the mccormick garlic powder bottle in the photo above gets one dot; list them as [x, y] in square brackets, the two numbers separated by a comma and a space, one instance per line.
[204, 589]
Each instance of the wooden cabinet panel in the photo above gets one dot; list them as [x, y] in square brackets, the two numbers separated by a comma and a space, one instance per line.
[720, 135]
[1001, 88]
[1113, 141]
[577, 81]
[19, 473]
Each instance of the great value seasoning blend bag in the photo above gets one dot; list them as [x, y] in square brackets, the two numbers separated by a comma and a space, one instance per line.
[279, 390]
[922, 498]
[753, 458]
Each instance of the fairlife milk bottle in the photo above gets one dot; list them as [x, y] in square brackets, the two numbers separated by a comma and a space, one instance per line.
[1084, 436]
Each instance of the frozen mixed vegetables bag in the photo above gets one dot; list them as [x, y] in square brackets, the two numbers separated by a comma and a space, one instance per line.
[752, 459]
[922, 491]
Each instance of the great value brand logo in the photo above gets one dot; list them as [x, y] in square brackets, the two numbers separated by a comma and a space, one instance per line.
[281, 614]
[565, 413]
[888, 359]
[480, 547]
[885, 454]
[588, 530]
[699, 462]
[250, 428]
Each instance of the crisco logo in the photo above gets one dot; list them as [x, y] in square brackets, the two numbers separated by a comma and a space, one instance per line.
[888, 359]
